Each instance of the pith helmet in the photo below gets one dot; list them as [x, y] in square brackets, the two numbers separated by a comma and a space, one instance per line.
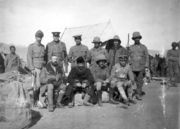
[136, 35]
[116, 38]
[100, 57]
[96, 40]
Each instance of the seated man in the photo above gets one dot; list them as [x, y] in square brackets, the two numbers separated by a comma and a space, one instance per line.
[122, 78]
[101, 76]
[81, 80]
[52, 78]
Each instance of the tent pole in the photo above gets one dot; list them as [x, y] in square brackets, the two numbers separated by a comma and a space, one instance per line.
[63, 33]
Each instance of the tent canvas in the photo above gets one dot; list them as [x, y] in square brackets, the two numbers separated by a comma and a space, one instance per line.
[103, 30]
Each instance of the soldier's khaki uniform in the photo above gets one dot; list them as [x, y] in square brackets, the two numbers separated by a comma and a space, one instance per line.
[59, 50]
[35, 60]
[173, 63]
[113, 56]
[77, 51]
[139, 59]
[94, 52]
[119, 79]
[48, 47]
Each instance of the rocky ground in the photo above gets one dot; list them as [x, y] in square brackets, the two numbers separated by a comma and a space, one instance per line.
[153, 112]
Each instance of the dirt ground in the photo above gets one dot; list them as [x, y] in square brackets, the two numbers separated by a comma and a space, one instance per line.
[147, 114]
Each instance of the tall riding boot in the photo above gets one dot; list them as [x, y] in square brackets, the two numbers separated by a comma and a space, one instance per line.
[99, 94]
[59, 105]
[130, 95]
[50, 100]
[86, 100]
[111, 100]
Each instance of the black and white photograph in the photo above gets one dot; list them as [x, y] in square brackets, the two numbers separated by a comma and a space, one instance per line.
[89, 64]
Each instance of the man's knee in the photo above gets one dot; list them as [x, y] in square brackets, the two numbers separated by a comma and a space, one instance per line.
[63, 87]
[98, 85]
[50, 87]
[120, 84]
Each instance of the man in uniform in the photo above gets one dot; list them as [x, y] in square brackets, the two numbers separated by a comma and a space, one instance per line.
[102, 78]
[97, 50]
[35, 58]
[57, 48]
[139, 60]
[78, 50]
[2, 58]
[122, 77]
[173, 63]
[12, 60]
[115, 52]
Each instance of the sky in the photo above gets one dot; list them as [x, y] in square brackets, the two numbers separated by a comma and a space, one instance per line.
[157, 20]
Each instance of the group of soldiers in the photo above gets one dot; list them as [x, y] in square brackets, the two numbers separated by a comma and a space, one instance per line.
[92, 71]
[119, 71]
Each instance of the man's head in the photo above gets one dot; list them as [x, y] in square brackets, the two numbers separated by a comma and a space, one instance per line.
[136, 37]
[77, 39]
[80, 62]
[39, 35]
[116, 41]
[101, 61]
[123, 59]
[56, 36]
[174, 45]
[12, 49]
[97, 42]
[54, 60]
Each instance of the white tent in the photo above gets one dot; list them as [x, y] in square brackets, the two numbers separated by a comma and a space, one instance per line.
[103, 30]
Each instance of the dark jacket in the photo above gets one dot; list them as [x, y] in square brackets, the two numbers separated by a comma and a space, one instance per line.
[48, 75]
[76, 74]
[2, 67]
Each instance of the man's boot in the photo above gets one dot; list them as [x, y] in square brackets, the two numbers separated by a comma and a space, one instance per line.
[50, 101]
[111, 100]
[86, 99]
[71, 104]
[59, 105]
[99, 94]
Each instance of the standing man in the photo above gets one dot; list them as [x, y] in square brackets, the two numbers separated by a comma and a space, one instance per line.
[78, 50]
[57, 48]
[35, 58]
[96, 51]
[173, 63]
[12, 60]
[2, 67]
[139, 60]
[115, 52]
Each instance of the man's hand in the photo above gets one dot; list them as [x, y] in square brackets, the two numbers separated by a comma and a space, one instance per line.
[58, 77]
[78, 84]
[33, 72]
